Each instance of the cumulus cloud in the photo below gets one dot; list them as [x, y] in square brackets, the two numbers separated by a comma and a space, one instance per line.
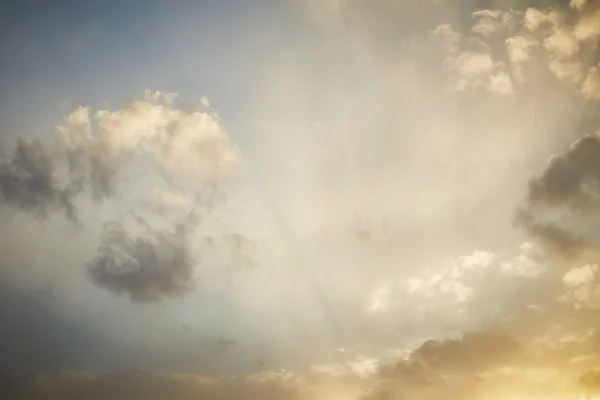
[465, 288]
[536, 18]
[583, 289]
[561, 44]
[553, 39]
[474, 64]
[567, 70]
[146, 268]
[501, 83]
[519, 48]
[182, 143]
[91, 154]
[474, 69]
[588, 27]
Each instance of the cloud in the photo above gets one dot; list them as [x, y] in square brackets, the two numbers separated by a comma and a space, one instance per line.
[569, 183]
[181, 143]
[561, 44]
[535, 18]
[554, 39]
[473, 69]
[28, 182]
[92, 154]
[577, 4]
[583, 289]
[485, 364]
[450, 366]
[449, 38]
[474, 64]
[588, 27]
[465, 287]
[490, 22]
[464, 355]
[519, 48]
[567, 70]
[501, 83]
[581, 275]
[563, 179]
[147, 268]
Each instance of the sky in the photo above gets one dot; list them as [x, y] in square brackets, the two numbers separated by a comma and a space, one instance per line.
[300, 199]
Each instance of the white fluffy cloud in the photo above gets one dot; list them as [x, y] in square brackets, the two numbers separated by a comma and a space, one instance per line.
[475, 58]
[464, 291]
[583, 289]
[184, 144]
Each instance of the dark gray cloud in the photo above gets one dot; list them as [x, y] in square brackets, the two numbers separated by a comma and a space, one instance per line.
[28, 181]
[562, 241]
[147, 268]
[569, 179]
[569, 186]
